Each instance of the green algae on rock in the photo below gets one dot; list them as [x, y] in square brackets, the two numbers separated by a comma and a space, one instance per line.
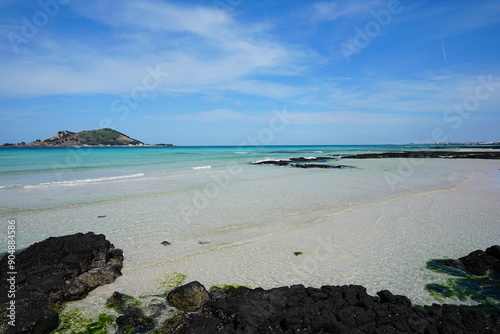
[75, 322]
[483, 290]
[171, 280]
[121, 302]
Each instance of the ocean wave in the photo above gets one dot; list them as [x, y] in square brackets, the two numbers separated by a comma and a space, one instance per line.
[83, 181]
[202, 167]
[15, 186]
[241, 152]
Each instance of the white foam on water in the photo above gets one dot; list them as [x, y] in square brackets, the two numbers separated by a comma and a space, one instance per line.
[83, 181]
[202, 167]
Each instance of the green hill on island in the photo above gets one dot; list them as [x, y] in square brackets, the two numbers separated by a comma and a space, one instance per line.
[101, 137]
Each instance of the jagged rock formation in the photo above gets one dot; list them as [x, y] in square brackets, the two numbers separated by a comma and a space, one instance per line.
[329, 309]
[303, 162]
[480, 262]
[53, 271]
[322, 162]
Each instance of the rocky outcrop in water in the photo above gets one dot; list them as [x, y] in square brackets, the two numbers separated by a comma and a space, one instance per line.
[475, 277]
[480, 262]
[322, 162]
[303, 162]
[54, 271]
[132, 318]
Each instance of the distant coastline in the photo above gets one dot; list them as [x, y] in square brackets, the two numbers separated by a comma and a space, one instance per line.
[491, 144]
[111, 138]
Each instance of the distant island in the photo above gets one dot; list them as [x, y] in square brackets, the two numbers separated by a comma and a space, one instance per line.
[100, 138]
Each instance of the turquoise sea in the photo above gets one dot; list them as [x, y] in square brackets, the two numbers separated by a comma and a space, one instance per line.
[31, 167]
[26, 173]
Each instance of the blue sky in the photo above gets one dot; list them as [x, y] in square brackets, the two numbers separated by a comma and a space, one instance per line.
[219, 72]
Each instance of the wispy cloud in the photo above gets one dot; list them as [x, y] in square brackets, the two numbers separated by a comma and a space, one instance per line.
[333, 10]
[233, 69]
[354, 118]
[373, 102]
[24, 116]
[433, 93]
[448, 21]
[199, 50]
[217, 115]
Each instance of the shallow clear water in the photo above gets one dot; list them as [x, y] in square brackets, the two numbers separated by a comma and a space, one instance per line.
[231, 222]
[29, 172]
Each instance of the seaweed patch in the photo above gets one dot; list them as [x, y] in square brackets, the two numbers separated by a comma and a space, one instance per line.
[464, 286]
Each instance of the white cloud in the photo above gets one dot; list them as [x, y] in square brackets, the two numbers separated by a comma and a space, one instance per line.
[23, 116]
[433, 93]
[355, 118]
[340, 118]
[154, 15]
[200, 50]
[332, 10]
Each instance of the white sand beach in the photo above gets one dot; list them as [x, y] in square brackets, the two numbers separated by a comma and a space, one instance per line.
[349, 225]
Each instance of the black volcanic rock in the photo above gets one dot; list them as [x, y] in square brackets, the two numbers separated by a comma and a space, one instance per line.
[135, 322]
[494, 251]
[330, 309]
[302, 162]
[121, 302]
[272, 162]
[304, 159]
[305, 162]
[188, 297]
[54, 271]
[324, 166]
[480, 262]
[33, 315]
